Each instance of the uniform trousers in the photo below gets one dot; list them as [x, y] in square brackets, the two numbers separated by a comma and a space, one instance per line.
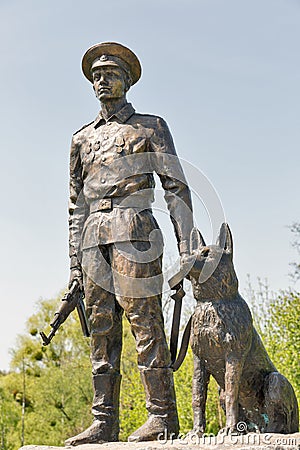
[125, 277]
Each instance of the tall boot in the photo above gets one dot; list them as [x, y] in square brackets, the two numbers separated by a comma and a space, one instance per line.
[105, 409]
[160, 404]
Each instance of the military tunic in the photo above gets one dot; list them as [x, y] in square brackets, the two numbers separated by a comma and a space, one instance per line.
[114, 236]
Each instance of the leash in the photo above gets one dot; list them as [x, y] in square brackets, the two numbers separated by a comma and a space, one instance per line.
[177, 297]
[177, 360]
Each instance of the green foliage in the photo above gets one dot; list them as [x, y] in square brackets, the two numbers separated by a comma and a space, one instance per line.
[9, 414]
[277, 319]
[56, 379]
[56, 401]
[68, 345]
[58, 392]
[132, 401]
[281, 336]
[295, 229]
[47, 395]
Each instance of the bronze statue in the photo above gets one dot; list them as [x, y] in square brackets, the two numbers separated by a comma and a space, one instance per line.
[254, 395]
[116, 245]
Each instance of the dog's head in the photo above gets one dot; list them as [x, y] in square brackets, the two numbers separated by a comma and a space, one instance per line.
[212, 273]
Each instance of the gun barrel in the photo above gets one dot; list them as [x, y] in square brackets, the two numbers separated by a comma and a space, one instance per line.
[47, 339]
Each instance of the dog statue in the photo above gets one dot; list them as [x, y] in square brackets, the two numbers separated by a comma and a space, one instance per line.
[226, 345]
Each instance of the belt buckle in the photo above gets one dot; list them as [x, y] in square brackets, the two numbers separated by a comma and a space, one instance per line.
[105, 204]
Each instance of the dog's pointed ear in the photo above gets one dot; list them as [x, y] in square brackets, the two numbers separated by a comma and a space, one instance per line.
[197, 240]
[225, 238]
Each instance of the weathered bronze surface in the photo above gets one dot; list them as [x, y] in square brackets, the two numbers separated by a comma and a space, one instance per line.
[116, 245]
[254, 395]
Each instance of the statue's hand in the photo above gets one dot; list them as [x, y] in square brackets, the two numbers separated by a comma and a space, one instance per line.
[186, 263]
[76, 274]
[184, 259]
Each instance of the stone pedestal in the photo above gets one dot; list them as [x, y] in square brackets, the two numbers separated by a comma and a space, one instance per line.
[251, 441]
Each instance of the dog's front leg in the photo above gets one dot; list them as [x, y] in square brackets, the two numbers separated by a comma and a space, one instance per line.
[233, 372]
[200, 384]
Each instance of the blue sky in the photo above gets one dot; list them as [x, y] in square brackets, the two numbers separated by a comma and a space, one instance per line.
[224, 74]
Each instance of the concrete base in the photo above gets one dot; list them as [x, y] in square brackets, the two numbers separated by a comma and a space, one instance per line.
[251, 441]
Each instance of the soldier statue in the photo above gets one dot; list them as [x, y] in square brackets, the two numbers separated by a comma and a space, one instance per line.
[116, 244]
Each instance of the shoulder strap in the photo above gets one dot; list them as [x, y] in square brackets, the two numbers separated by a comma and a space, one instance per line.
[82, 128]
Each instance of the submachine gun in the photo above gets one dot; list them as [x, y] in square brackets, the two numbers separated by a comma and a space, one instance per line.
[71, 300]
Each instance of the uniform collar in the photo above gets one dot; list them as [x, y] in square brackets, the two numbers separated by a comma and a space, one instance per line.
[122, 115]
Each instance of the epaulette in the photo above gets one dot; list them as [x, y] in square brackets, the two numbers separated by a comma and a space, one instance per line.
[82, 128]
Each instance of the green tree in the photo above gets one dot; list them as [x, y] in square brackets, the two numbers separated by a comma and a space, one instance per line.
[50, 387]
[9, 415]
[282, 336]
[55, 384]
[277, 319]
[55, 381]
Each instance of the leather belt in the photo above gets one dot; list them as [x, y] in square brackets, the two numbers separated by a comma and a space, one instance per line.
[133, 201]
